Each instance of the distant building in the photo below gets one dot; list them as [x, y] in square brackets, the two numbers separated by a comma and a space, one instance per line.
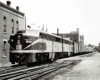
[74, 36]
[81, 39]
[11, 20]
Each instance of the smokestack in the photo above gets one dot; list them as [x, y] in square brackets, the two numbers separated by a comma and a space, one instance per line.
[17, 8]
[57, 31]
[8, 3]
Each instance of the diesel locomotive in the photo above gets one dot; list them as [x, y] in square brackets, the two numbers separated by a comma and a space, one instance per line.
[28, 46]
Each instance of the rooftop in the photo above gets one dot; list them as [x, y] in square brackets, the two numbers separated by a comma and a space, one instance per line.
[10, 8]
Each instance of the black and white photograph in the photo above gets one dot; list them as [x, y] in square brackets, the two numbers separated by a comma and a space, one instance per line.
[49, 39]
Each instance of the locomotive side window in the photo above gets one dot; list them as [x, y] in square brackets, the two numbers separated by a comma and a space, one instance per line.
[61, 40]
[53, 38]
[49, 37]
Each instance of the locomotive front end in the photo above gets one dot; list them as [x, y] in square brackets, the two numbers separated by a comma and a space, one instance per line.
[23, 46]
[16, 42]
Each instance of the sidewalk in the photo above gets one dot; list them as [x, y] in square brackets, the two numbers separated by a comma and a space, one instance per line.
[87, 69]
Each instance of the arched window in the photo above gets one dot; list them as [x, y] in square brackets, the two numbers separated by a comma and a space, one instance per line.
[5, 47]
[5, 24]
[17, 25]
[12, 26]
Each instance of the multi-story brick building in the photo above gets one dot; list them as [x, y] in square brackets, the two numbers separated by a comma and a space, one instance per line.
[73, 35]
[11, 20]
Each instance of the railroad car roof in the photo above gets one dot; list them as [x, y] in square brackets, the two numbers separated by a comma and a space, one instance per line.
[31, 31]
[56, 36]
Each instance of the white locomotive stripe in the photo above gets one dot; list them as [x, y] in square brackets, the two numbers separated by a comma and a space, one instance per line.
[38, 40]
[30, 51]
[27, 51]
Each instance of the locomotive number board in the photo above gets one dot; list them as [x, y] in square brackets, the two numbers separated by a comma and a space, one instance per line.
[18, 47]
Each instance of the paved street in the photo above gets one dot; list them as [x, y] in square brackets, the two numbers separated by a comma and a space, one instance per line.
[87, 69]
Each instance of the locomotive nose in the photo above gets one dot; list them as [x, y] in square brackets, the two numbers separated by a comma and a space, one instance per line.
[19, 42]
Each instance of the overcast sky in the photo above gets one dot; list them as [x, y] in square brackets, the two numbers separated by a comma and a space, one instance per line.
[67, 15]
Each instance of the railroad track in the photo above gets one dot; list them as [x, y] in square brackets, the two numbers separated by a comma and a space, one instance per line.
[5, 70]
[33, 72]
[11, 69]
[21, 72]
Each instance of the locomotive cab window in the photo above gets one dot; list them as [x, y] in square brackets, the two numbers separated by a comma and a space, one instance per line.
[43, 35]
[57, 39]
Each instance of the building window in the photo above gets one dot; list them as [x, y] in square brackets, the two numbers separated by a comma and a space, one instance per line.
[5, 24]
[17, 25]
[5, 29]
[5, 48]
[4, 45]
[12, 26]
[4, 17]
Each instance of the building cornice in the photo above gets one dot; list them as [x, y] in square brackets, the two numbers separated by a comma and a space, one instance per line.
[11, 9]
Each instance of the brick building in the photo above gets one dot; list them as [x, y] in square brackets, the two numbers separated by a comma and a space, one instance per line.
[74, 36]
[11, 20]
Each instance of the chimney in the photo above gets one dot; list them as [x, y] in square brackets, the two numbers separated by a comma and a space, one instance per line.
[8, 3]
[57, 31]
[17, 8]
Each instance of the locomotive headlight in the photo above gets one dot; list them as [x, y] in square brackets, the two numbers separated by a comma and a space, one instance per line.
[18, 41]
[18, 36]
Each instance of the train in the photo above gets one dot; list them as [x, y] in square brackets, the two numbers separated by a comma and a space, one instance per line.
[35, 46]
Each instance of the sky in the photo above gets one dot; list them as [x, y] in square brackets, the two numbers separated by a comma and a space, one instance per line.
[67, 15]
